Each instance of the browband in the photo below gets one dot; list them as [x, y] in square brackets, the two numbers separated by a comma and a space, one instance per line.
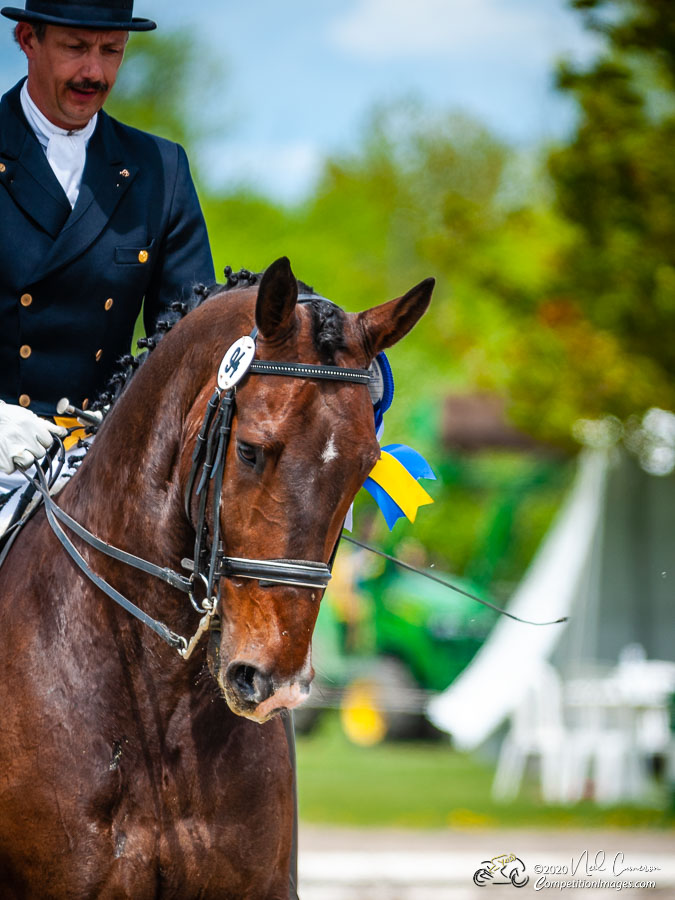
[306, 370]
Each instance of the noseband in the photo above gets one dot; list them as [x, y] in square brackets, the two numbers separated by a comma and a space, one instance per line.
[209, 563]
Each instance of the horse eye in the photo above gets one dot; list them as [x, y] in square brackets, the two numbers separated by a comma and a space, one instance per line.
[247, 454]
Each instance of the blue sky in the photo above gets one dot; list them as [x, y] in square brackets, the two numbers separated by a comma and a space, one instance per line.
[302, 75]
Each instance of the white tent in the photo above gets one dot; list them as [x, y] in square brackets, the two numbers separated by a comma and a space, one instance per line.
[562, 577]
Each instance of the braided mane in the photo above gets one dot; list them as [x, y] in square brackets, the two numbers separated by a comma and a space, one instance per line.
[327, 329]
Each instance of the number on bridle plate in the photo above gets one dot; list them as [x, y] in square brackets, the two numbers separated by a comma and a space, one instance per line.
[236, 362]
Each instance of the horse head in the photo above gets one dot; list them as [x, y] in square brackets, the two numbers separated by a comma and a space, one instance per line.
[299, 451]
[299, 446]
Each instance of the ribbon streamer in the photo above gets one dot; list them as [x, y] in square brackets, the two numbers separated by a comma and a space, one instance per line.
[393, 483]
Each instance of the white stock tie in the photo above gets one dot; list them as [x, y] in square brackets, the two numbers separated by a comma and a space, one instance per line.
[66, 150]
[66, 154]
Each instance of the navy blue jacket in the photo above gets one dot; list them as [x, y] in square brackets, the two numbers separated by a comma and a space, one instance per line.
[72, 281]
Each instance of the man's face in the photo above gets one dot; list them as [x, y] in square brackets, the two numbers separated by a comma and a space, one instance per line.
[71, 71]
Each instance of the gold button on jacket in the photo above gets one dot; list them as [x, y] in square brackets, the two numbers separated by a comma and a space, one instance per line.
[143, 256]
[25, 351]
[108, 304]
[24, 400]
[26, 299]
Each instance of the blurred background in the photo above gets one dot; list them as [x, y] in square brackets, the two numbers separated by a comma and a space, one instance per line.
[521, 152]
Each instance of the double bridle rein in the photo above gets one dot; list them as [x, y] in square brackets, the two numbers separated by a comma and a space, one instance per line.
[209, 563]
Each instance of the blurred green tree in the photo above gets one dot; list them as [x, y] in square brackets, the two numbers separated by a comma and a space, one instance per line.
[602, 341]
[165, 85]
[421, 194]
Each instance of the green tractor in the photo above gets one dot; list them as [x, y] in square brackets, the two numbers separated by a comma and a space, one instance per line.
[385, 643]
[382, 648]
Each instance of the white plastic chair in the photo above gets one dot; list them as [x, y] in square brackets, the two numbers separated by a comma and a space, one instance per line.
[537, 732]
[616, 724]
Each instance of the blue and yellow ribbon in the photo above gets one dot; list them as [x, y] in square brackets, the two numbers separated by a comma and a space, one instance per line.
[393, 483]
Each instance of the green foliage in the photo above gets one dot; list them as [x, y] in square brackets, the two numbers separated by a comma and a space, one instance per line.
[165, 77]
[642, 25]
[422, 195]
[614, 310]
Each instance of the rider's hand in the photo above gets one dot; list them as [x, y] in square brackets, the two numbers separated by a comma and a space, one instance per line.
[24, 437]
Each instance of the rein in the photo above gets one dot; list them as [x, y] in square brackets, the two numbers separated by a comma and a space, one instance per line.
[448, 584]
[209, 563]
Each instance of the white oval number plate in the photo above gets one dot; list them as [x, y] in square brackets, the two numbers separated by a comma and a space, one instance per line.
[236, 362]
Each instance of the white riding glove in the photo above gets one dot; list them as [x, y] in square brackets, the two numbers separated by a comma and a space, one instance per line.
[24, 437]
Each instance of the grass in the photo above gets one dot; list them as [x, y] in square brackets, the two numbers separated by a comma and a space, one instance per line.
[428, 785]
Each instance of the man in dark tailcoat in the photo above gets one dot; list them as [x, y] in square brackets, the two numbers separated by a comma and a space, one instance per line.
[95, 217]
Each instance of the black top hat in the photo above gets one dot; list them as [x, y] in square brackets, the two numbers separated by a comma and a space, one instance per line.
[104, 15]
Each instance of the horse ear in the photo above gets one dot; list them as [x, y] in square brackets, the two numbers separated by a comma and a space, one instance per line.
[277, 296]
[386, 324]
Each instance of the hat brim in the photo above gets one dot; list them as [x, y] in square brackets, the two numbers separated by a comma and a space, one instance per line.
[20, 15]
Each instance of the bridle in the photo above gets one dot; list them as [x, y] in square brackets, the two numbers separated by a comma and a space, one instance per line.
[208, 464]
[209, 564]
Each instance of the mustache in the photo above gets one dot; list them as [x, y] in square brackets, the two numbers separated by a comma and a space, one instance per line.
[87, 85]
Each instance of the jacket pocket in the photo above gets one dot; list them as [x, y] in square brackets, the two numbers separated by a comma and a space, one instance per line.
[134, 256]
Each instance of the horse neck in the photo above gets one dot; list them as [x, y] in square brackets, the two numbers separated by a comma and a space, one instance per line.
[128, 487]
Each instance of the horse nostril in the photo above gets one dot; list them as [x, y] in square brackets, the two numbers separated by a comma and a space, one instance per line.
[250, 684]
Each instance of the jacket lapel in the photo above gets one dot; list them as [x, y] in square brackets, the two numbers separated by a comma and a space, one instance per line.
[105, 181]
[27, 175]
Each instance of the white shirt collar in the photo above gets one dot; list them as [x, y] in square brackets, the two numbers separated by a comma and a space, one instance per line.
[66, 150]
[44, 129]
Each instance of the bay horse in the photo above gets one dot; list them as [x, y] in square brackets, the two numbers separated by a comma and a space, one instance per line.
[127, 771]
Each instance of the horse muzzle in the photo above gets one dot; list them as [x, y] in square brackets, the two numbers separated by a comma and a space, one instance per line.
[252, 693]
